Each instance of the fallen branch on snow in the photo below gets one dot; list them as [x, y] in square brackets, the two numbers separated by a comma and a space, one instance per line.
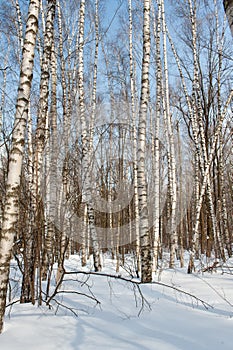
[138, 283]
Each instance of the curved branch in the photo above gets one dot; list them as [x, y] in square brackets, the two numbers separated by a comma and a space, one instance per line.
[135, 282]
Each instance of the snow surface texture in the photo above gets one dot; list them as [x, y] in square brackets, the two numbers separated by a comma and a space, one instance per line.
[169, 320]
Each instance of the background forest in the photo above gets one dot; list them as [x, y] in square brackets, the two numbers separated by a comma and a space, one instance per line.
[116, 137]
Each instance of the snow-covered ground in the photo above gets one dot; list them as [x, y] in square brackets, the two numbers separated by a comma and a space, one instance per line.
[168, 320]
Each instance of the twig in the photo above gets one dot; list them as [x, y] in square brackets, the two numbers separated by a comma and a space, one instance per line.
[65, 307]
[79, 293]
[12, 303]
[215, 290]
[56, 288]
[143, 300]
[204, 303]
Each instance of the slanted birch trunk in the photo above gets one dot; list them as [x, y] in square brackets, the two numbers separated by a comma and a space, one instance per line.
[10, 215]
[192, 115]
[211, 156]
[203, 154]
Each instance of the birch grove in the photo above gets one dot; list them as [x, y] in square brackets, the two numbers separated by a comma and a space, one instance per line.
[121, 142]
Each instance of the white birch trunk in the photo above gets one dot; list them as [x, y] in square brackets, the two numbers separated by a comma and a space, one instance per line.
[51, 189]
[10, 215]
[172, 186]
[66, 109]
[86, 151]
[93, 113]
[156, 172]
[84, 237]
[20, 26]
[44, 94]
[39, 224]
[3, 95]
[181, 198]
[133, 113]
[146, 255]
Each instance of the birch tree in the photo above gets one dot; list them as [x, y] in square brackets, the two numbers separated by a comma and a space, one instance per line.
[66, 111]
[171, 149]
[146, 255]
[36, 230]
[133, 113]
[86, 146]
[44, 93]
[10, 215]
[51, 202]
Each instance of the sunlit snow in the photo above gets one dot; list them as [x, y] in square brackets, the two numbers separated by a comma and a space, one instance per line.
[168, 320]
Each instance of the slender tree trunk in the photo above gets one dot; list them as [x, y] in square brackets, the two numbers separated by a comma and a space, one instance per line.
[146, 255]
[171, 151]
[10, 215]
[37, 229]
[20, 27]
[181, 199]
[84, 237]
[3, 94]
[52, 200]
[97, 262]
[44, 94]
[133, 113]
[86, 151]
[62, 234]
[156, 172]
